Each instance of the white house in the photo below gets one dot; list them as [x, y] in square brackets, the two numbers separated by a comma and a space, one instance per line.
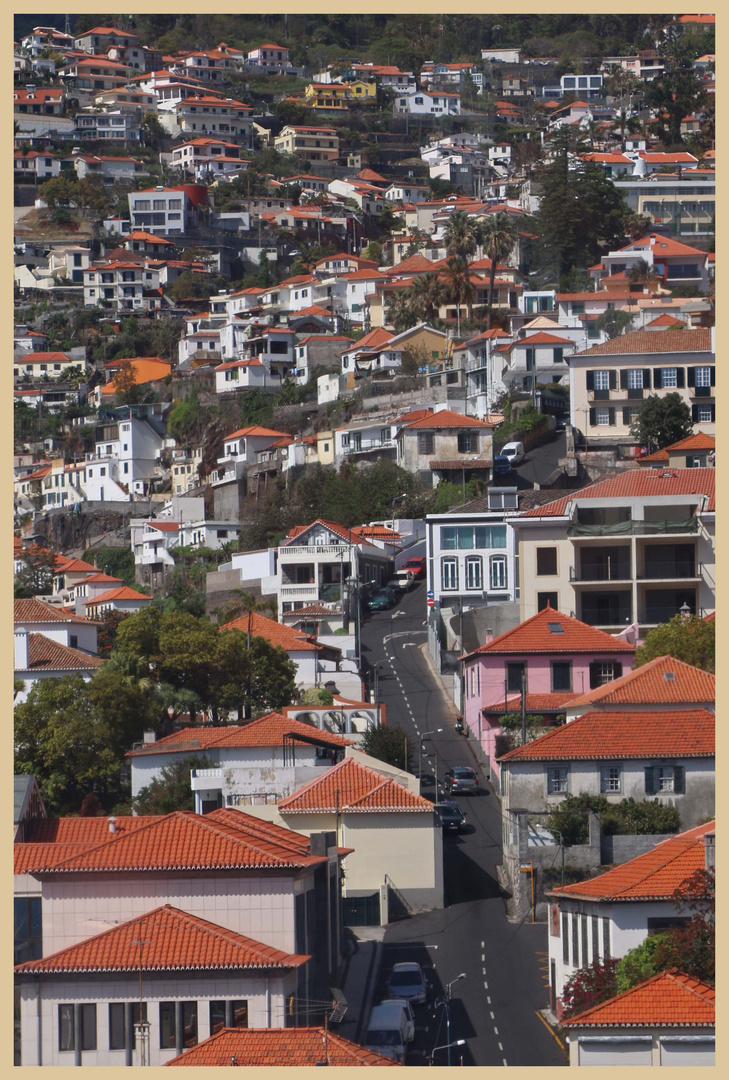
[437, 103]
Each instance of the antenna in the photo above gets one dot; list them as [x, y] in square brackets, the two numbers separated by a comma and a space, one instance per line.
[67, 26]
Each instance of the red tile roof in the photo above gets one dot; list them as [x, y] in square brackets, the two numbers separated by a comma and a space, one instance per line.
[637, 484]
[542, 338]
[654, 875]
[38, 611]
[340, 530]
[667, 320]
[649, 685]
[98, 578]
[176, 941]
[535, 636]
[669, 999]
[667, 733]
[225, 840]
[374, 340]
[72, 566]
[556, 702]
[699, 441]
[255, 430]
[645, 342]
[445, 419]
[269, 730]
[123, 593]
[350, 787]
[44, 654]
[274, 632]
[280, 1047]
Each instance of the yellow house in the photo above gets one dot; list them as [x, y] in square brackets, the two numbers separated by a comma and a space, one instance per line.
[339, 95]
[325, 447]
[312, 143]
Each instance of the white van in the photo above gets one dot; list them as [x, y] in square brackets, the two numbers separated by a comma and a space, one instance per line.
[514, 451]
[402, 579]
[387, 1031]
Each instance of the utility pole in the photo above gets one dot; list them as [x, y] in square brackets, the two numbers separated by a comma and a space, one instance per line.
[523, 709]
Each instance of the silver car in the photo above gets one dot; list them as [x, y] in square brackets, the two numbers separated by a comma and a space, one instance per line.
[407, 981]
[461, 778]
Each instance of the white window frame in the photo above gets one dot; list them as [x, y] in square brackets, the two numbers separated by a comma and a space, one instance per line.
[498, 572]
[557, 779]
[449, 573]
[669, 378]
[602, 417]
[665, 783]
[611, 779]
[474, 572]
[601, 380]
[635, 378]
[706, 419]
[702, 376]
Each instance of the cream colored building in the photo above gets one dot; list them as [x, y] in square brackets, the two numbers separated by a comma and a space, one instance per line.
[633, 549]
[312, 143]
[609, 382]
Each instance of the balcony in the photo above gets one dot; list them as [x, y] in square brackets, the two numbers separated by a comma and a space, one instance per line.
[659, 527]
[612, 572]
[206, 779]
[288, 593]
[671, 571]
[312, 551]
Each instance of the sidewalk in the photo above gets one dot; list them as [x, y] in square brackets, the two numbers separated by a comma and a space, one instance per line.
[359, 977]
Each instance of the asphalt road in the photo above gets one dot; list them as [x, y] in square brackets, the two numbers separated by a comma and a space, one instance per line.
[496, 1007]
[538, 464]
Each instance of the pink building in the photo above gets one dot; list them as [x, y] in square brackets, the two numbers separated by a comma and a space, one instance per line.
[561, 657]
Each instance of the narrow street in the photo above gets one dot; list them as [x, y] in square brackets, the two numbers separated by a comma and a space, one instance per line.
[496, 1007]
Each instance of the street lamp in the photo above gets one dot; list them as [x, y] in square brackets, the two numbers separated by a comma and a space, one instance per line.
[446, 1003]
[398, 498]
[446, 1046]
[436, 731]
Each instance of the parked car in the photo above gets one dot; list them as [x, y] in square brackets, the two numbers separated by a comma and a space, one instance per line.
[451, 816]
[461, 778]
[409, 1018]
[407, 981]
[502, 465]
[382, 599]
[417, 565]
[514, 451]
[402, 580]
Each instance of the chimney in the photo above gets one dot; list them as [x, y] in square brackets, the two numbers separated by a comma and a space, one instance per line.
[159, 187]
[112, 824]
[709, 851]
[489, 635]
[149, 737]
[21, 650]
[30, 87]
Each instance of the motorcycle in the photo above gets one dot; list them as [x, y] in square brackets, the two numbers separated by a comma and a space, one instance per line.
[459, 725]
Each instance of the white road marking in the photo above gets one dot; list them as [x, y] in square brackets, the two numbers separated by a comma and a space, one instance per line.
[492, 1016]
[501, 1049]
[483, 956]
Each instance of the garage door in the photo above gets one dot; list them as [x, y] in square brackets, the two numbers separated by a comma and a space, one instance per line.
[687, 1050]
[609, 1051]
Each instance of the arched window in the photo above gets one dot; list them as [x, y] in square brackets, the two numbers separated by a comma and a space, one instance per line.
[474, 572]
[498, 573]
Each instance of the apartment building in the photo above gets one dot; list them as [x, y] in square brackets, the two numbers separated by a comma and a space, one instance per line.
[608, 382]
[311, 143]
[209, 115]
[633, 550]
[168, 211]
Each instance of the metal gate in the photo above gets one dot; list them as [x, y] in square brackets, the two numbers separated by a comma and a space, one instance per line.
[362, 910]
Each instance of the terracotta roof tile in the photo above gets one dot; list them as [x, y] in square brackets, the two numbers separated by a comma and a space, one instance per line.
[187, 841]
[637, 483]
[340, 530]
[44, 654]
[123, 593]
[445, 419]
[645, 342]
[255, 430]
[669, 999]
[542, 338]
[556, 702]
[280, 1047]
[38, 611]
[655, 875]
[100, 578]
[353, 788]
[665, 733]
[269, 730]
[177, 941]
[274, 632]
[535, 635]
[648, 685]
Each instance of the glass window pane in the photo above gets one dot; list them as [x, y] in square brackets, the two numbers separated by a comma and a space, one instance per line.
[465, 538]
[116, 1025]
[88, 1027]
[498, 536]
[448, 539]
[217, 1016]
[189, 1023]
[65, 1027]
[167, 1027]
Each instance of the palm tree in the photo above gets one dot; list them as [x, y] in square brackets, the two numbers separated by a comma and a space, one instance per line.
[425, 296]
[642, 273]
[498, 238]
[460, 286]
[398, 312]
[459, 235]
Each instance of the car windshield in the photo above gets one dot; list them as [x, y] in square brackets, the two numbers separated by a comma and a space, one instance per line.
[463, 772]
[385, 1037]
[406, 978]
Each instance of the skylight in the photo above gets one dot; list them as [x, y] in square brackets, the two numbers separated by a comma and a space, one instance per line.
[669, 676]
[555, 628]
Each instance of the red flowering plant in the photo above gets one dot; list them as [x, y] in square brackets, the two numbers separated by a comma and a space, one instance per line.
[589, 986]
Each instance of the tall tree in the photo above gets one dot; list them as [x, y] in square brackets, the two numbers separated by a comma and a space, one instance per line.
[425, 296]
[662, 421]
[685, 637]
[498, 236]
[460, 235]
[460, 287]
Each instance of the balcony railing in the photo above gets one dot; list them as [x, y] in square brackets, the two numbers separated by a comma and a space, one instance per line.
[671, 571]
[611, 572]
[311, 551]
[635, 528]
[299, 592]
[366, 444]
